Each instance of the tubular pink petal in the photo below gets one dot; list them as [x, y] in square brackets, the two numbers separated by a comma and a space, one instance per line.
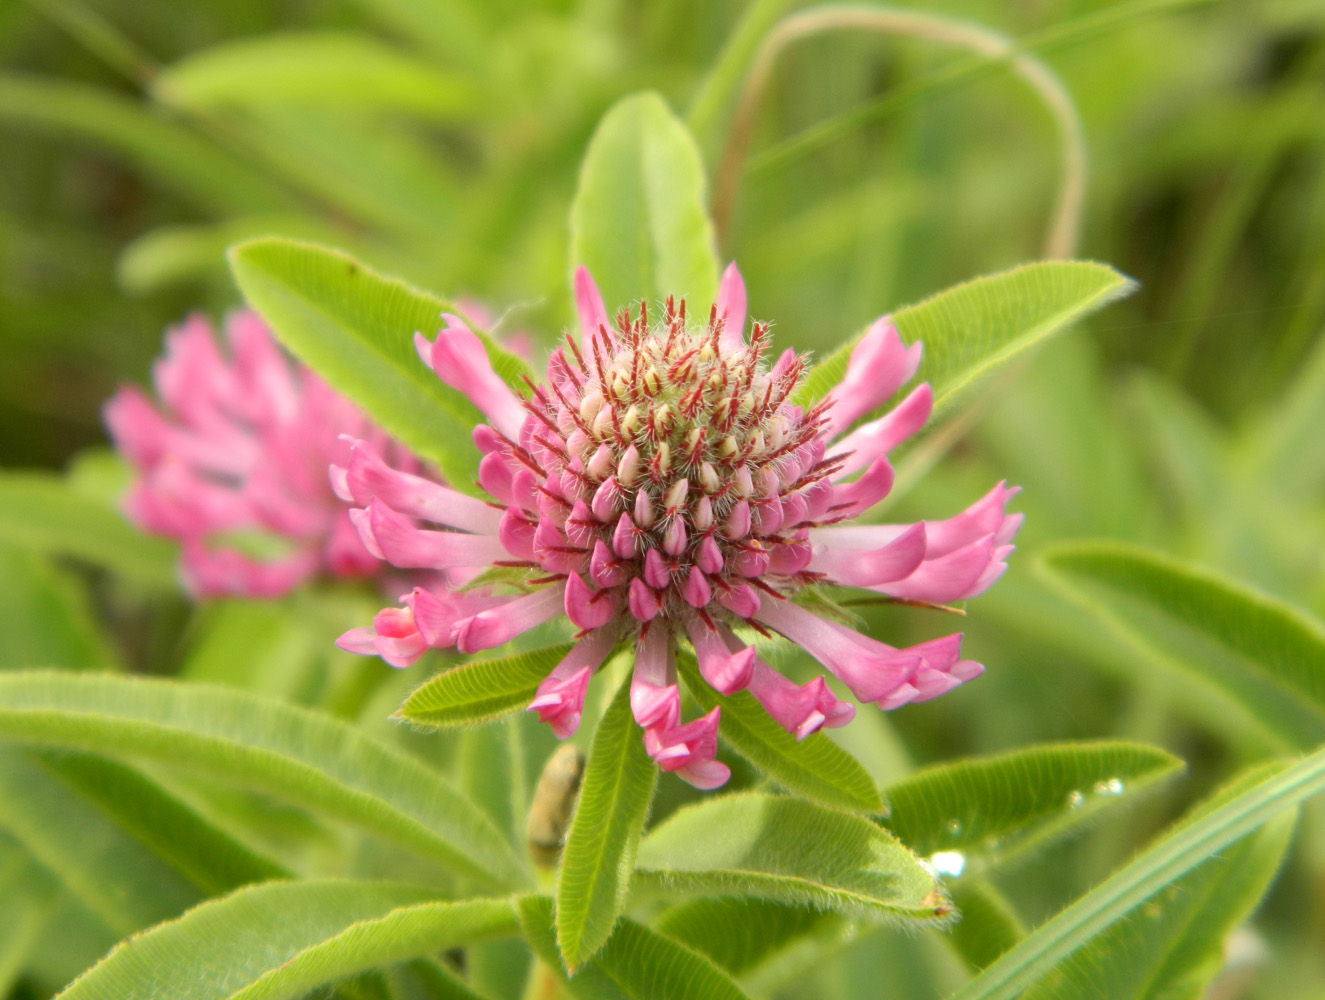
[731, 304]
[956, 576]
[854, 498]
[987, 516]
[654, 697]
[369, 477]
[461, 361]
[516, 534]
[589, 305]
[708, 557]
[588, 609]
[604, 568]
[698, 593]
[737, 524]
[802, 710]
[790, 556]
[344, 552]
[623, 537]
[897, 559]
[741, 600]
[879, 365]
[642, 601]
[494, 626]
[401, 544]
[560, 698]
[870, 441]
[227, 573]
[656, 574]
[726, 672]
[871, 669]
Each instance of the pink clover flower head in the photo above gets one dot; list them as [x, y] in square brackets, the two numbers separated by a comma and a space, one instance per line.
[239, 444]
[662, 486]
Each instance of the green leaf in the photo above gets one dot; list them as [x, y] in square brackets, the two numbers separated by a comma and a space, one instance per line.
[305, 757]
[973, 328]
[1174, 945]
[739, 933]
[195, 168]
[46, 616]
[315, 69]
[992, 809]
[1208, 833]
[41, 512]
[1264, 658]
[284, 939]
[635, 963]
[788, 850]
[30, 894]
[599, 856]
[638, 222]
[815, 767]
[988, 926]
[356, 328]
[112, 874]
[480, 692]
[206, 855]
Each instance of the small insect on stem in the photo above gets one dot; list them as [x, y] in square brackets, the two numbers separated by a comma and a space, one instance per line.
[554, 804]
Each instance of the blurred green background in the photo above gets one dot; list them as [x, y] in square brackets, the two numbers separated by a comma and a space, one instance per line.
[439, 140]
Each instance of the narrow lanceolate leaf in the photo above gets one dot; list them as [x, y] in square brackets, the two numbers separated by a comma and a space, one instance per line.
[1264, 658]
[162, 150]
[638, 222]
[113, 875]
[305, 757]
[30, 894]
[635, 963]
[42, 512]
[315, 69]
[740, 933]
[989, 925]
[1174, 944]
[783, 848]
[284, 939]
[816, 767]
[206, 855]
[986, 811]
[356, 328]
[479, 692]
[973, 328]
[1193, 842]
[599, 856]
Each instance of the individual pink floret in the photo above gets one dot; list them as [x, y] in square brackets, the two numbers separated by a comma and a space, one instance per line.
[239, 444]
[663, 486]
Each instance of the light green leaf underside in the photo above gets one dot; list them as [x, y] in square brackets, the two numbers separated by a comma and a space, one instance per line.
[739, 933]
[356, 329]
[1175, 944]
[635, 963]
[788, 850]
[638, 222]
[282, 939]
[112, 874]
[315, 69]
[41, 512]
[599, 857]
[816, 767]
[973, 328]
[1207, 834]
[1266, 658]
[479, 692]
[995, 808]
[304, 757]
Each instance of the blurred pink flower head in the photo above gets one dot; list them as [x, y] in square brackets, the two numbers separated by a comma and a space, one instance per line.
[661, 487]
[234, 458]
